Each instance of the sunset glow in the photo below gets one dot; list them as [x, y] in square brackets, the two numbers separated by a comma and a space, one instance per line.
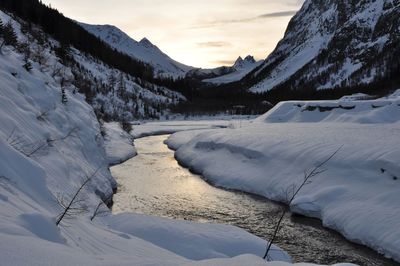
[204, 33]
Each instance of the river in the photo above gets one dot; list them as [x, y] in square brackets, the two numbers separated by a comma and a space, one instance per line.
[154, 183]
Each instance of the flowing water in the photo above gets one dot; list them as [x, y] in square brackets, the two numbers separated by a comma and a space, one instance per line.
[154, 183]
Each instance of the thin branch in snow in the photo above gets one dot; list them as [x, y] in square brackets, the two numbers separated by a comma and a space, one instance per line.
[308, 175]
[99, 211]
[74, 206]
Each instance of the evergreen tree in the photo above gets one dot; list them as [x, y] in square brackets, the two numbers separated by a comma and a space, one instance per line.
[25, 49]
[112, 80]
[1, 28]
[121, 86]
[27, 65]
[9, 36]
[64, 99]
[64, 52]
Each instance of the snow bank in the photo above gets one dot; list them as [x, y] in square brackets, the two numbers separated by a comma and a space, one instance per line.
[118, 144]
[254, 261]
[345, 110]
[359, 194]
[178, 139]
[162, 128]
[193, 241]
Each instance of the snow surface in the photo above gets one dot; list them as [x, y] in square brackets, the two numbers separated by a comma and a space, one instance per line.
[169, 127]
[357, 196]
[144, 50]
[244, 260]
[118, 143]
[365, 112]
[193, 241]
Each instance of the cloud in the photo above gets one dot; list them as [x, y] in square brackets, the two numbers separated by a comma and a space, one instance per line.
[213, 44]
[277, 14]
[287, 13]
[223, 62]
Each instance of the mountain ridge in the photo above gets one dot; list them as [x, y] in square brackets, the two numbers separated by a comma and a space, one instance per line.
[144, 50]
[332, 44]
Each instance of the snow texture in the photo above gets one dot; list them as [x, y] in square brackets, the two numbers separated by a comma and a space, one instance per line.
[118, 143]
[162, 128]
[193, 241]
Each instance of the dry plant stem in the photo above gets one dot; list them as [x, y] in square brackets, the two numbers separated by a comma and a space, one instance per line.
[68, 208]
[97, 211]
[307, 180]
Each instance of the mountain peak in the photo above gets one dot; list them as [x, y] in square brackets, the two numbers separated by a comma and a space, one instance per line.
[240, 62]
[250, 59]
[143, 50]
[145, 42]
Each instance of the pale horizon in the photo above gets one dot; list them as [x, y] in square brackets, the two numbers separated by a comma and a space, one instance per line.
[206, 34]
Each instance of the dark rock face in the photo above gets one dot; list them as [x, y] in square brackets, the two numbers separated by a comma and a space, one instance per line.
[334, 44]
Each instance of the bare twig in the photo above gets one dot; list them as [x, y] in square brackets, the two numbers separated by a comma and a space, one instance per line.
[75, 205]
[29, 149]
[317, 170]
[98, 211]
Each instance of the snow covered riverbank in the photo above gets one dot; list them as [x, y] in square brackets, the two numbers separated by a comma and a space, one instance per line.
[169, 127]
[358, 195]
[118, 143]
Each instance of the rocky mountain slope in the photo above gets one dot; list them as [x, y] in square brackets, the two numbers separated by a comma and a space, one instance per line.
[335, 44]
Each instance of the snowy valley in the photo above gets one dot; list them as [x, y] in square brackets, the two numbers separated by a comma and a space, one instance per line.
[69, 112]
[50, 148]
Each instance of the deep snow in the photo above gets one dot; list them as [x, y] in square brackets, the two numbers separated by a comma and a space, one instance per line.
[169, 127]
[357, 195]
[118, 143]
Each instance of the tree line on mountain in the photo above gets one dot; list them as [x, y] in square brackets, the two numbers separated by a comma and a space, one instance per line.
[8, 35]
[232, 98]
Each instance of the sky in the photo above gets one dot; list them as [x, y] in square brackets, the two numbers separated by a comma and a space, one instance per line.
[201, 33]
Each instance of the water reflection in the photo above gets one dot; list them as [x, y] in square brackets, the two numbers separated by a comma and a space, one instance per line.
[154, 183]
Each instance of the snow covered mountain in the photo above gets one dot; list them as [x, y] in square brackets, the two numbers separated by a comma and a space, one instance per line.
[240, 69]
[143, 50]
[331, 44]
[114, 94]
[225, 74]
